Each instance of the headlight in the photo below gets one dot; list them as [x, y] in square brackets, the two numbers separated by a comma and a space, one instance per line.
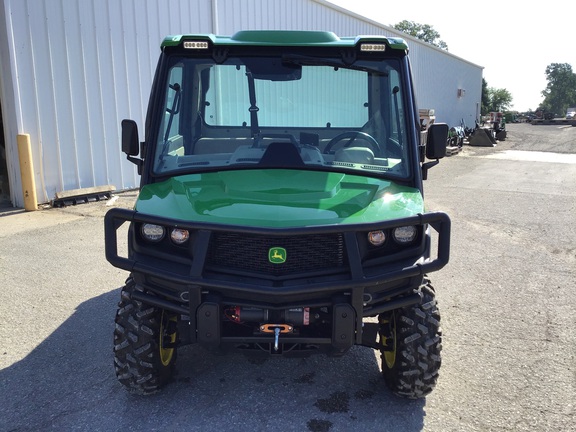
[405, 234]
[179, 236]
[153, 233]
[376, 238]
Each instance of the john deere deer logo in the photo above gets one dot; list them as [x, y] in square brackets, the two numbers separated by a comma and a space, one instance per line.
[277, 255]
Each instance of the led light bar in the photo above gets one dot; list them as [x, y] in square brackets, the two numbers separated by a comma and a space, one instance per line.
[195, 45]
[372, 47]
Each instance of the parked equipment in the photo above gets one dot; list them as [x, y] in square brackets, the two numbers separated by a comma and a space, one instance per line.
[482, 137]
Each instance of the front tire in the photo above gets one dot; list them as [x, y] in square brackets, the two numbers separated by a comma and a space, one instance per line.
[144, 344]
[411, 341]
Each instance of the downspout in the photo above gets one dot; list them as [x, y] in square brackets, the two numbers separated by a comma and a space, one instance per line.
[215, 29]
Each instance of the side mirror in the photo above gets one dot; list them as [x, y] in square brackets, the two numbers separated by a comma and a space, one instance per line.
[436, 140]
[130, 143]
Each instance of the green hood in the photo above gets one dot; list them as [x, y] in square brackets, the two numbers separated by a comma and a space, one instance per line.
[279, 198]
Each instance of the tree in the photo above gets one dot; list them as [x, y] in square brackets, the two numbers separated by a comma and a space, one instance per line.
[560, 93]
[500, 99]
[485, 102]
[494, 99]
[423, 32]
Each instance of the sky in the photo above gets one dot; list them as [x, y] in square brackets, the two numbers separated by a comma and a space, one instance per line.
[513, 40]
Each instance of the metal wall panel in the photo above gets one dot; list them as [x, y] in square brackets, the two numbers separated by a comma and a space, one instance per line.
[76, 68]
[438, 77]
[72, 69]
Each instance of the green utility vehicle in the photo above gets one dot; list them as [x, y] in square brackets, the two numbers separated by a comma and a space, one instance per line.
[281, 210]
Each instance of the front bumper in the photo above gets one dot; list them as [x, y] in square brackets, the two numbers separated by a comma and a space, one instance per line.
[194, 289]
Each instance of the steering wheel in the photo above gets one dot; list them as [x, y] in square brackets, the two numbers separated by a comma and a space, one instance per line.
[353, 135]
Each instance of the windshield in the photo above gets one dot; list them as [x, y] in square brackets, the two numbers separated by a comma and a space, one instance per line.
[295, 112]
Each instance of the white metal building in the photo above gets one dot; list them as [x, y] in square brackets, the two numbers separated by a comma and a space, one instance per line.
[71, 70]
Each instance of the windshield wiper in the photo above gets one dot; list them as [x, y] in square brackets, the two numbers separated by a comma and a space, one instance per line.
[254, 128]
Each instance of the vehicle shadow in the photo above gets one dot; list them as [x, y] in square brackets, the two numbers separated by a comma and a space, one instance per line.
[68, 382]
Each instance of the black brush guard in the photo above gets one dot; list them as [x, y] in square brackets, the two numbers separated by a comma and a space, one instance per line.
[345, 295]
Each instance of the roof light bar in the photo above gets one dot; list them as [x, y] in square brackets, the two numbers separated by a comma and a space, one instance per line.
[372, 47]
[195, 45]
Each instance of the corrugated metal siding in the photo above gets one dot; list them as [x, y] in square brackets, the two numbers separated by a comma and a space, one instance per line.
[77, 68]
[438, 77]
[72, 69]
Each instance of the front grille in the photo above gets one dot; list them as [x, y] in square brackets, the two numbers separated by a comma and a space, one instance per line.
[248, 253]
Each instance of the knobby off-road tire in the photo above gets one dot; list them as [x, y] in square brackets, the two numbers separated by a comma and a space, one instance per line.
[411, 341]
[143, 364]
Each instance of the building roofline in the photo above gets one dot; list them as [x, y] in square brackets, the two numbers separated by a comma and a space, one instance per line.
[406, 37]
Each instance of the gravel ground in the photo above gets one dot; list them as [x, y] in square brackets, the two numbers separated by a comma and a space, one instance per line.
[527, 137]
[506, 298]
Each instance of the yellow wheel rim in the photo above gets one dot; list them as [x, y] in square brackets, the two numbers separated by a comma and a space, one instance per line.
[390, 356]
[166, 354]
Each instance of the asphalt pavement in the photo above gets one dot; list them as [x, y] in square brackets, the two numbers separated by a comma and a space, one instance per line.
[506, 298]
